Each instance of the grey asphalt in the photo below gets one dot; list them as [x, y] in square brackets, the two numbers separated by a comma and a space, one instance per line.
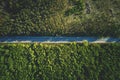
[29, 39]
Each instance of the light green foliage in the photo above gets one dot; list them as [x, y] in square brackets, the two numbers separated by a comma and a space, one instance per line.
[85, 43]
[59, 61]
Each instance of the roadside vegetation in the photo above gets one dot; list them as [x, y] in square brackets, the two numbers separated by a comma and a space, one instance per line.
[60, 18]
[60, 61]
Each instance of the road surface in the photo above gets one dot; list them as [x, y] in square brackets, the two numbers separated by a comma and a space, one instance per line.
[31, 39]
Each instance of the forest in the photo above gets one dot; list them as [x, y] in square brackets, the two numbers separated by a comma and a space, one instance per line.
[72, 60]
[60, 18]
[60, 61]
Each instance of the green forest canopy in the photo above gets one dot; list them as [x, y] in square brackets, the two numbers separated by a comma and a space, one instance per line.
[60, 61]
[60, 17]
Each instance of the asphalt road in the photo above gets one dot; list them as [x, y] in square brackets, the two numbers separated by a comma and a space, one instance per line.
[30, 39]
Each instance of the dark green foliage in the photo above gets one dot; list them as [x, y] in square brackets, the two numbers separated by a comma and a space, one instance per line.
[60, 18]
[59, 61]
[76, 10]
